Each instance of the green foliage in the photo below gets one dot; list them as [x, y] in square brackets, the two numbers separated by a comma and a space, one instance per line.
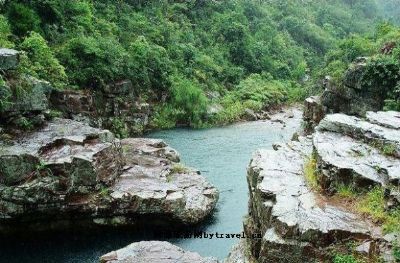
[5, 33]
[256, 92]
[24, 123]
[23, 18]
[189, 101]
[179, 168]
[311, 173]
[93, 62]
[339, 258]
[224, 46]
[119, 128]
[396, 252]
[346, 191]
[373, 204]
[148, 65]
[40, 61]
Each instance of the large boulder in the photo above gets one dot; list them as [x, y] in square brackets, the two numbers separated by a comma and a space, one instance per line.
[359, 153]
[296, 224]
[365, 87]
[9, 59]
[154, 252]
[70, 172]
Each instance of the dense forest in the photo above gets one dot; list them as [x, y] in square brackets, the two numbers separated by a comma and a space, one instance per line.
[183, 56]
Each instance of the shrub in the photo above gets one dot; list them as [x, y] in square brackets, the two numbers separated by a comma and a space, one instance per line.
[40, 61]
[5, 33]
[189, 100]
[93, 62]
[23, 19]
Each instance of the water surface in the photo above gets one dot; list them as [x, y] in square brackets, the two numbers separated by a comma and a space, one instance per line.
[221, 154]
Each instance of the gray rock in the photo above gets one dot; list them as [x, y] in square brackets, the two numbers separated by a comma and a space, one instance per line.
[9, 59]
[214, 109]
[359, 129]
[344, 160]
[154, 252]
[297, 224]
[388, 119]
[239, 253]
[151, 173]
[313, 113]
[250, 115]
[32, 101]
[118, 88]
[73, 102]
[358, 94]
[68, 169]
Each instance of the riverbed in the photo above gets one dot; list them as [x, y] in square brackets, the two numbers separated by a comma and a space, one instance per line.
[220, 154]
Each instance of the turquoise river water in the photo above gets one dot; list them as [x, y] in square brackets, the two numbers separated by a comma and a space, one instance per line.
[221, 154]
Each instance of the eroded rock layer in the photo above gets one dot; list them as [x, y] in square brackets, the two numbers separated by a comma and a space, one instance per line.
[297, 224]
[68, 172]
[358, 153]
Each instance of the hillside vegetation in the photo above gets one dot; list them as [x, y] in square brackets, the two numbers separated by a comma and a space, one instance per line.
[195, 53]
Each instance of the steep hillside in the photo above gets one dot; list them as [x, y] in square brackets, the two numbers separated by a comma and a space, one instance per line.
[182, 56]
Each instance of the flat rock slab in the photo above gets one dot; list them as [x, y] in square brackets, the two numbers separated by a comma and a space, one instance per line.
[389, 119]
[64, 146]
[154, 252]
[290, 216]
[154, 179]
[375, 132]
[347, 161]
[68, 171]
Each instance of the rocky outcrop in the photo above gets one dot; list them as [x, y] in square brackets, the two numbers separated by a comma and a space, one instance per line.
[297, 224]
[69, 172]
[154, 252]
[365, 87]
[375, 133]
[24, 99]
[358, 153]
[313, 113]
[114, 107]
[9, 59]
[240, 253]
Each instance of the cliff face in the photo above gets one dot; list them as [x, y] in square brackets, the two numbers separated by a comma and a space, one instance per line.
[291, 190]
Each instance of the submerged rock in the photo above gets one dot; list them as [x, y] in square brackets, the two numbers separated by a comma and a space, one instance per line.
[297, 224]
[154, 252]
[68, 171]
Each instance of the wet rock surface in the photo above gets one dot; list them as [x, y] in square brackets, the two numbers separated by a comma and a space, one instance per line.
[69, 171]
[364, 130]
[297, 224]
[344, 160]
[154, 252]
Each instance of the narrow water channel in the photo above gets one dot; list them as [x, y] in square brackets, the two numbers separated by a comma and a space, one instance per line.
[221, 154]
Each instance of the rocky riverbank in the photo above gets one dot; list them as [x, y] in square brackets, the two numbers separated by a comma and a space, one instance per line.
[67, 172]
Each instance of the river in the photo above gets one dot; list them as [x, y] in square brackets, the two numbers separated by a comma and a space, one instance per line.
[221, 154]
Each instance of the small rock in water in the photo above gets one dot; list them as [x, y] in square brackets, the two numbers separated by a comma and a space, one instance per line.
[154, 252]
